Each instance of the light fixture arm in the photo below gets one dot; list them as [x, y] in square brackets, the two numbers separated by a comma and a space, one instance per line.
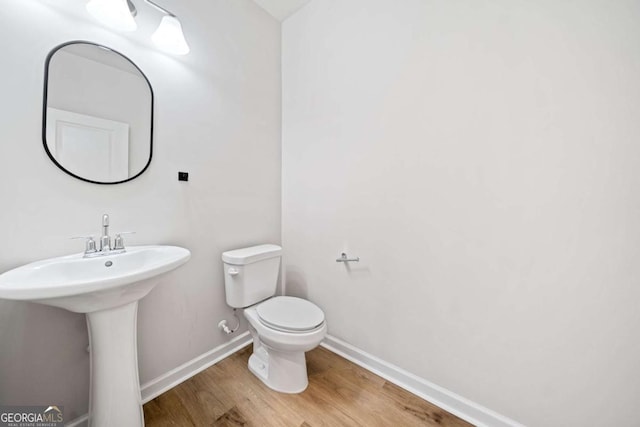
[160, 8]
[132, 8]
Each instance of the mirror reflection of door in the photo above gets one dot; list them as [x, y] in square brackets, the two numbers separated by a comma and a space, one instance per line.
[98, 114]
[89, 146]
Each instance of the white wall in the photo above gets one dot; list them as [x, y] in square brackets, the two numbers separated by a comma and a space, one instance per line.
[481, 157]
[217, 117]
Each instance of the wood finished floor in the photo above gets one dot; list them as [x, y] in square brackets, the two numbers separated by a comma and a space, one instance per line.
[340, 393]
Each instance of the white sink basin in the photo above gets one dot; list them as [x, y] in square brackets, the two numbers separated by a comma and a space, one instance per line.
[84, 285]
[106, 288]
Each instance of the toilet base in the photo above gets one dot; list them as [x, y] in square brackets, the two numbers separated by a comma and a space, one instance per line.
[285, 372]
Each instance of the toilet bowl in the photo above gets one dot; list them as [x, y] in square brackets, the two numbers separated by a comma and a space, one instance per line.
[283, 328]
[278, 357]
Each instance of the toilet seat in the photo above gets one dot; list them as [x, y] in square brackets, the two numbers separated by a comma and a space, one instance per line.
[290, 314]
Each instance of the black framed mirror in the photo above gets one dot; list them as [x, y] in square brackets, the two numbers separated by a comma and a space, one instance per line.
[97, 121]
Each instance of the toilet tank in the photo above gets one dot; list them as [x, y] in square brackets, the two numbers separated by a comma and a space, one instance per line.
[251, 274]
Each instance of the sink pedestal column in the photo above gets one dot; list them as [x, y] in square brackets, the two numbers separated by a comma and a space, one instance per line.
[115, 387]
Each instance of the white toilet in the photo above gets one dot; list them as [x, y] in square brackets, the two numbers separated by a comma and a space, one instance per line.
[283, 328]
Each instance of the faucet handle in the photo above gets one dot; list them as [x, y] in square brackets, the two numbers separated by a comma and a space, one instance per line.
[118, 241]
[90, 244]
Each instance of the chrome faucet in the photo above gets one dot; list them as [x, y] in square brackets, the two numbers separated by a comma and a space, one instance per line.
[104, 244]
[105, 239]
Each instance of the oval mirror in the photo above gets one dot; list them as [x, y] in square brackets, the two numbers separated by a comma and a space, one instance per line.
[97, 113]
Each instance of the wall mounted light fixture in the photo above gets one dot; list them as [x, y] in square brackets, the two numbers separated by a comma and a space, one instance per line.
[169, 36]
[119, 15]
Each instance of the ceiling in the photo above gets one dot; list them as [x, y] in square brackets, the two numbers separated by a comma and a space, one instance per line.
[281, 9]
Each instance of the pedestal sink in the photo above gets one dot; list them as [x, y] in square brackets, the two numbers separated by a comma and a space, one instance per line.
[107, 289]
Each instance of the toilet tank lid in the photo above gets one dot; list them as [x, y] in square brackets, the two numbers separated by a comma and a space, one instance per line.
[252, 254]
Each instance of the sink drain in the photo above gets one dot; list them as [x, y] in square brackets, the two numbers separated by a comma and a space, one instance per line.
[108, 264]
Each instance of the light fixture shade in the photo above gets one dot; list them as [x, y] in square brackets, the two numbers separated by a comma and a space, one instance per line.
[113, 13]
[169, 36]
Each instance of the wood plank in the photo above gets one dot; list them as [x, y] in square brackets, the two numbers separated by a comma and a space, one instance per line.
[340, 393]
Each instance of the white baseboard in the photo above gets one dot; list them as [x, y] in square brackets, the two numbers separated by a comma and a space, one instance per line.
[445, 399]
[154, 388]
[81, 421]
